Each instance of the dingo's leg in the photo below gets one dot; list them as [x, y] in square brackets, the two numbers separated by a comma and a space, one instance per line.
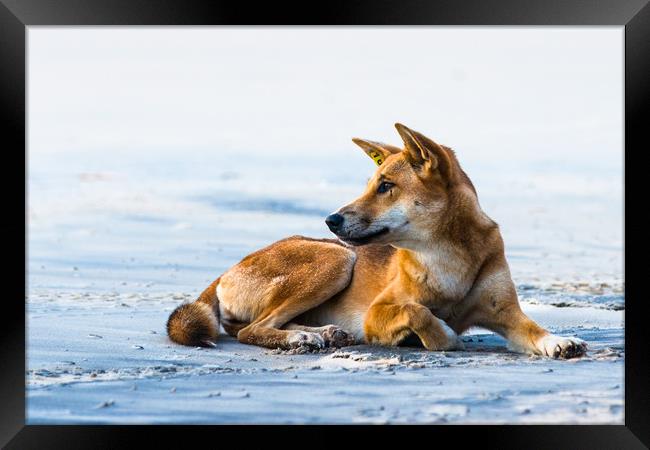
[524, 335]
[332, 335]
[266, 331]
[388, 323]
[323, 270]
[493, 304]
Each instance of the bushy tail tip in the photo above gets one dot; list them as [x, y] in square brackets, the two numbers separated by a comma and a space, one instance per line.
[193, 324]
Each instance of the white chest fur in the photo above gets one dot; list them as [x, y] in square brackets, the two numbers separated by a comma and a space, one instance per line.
[446, 270]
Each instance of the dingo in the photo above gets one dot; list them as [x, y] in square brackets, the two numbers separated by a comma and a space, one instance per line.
[416, 254]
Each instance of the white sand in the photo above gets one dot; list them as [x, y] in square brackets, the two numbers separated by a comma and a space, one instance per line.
[116, 241]
[105, 359]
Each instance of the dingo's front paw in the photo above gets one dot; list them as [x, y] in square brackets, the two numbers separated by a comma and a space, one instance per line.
[450, 341]
[454, 341]
[561, 347]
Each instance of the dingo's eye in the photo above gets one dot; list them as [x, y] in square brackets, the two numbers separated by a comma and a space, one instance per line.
[384, 187]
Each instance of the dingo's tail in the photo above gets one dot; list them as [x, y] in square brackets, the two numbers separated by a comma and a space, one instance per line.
[197, 323]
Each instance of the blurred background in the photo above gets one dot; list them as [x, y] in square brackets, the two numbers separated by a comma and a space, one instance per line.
[158, 157]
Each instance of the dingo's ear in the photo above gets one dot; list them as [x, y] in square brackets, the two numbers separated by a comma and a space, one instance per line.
[423, 151]
[376, 150]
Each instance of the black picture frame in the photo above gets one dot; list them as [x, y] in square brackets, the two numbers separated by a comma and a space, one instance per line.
[16, 15]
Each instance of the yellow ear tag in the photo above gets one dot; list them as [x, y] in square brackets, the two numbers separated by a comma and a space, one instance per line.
[376, 157]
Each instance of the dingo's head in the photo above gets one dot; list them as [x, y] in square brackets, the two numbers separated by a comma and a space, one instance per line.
[414, 194]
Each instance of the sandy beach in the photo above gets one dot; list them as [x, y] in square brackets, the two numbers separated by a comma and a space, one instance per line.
[103, 282]
[105, 359]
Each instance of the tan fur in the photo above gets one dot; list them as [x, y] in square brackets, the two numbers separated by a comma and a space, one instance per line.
[196, 323]
[418, 255]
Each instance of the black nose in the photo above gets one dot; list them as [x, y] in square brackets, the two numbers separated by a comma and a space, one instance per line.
[334, 221]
